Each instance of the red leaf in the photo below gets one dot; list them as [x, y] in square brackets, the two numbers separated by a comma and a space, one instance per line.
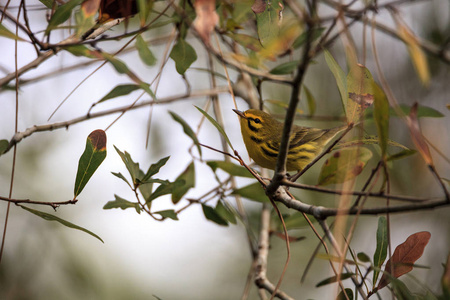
[114, 9]
[206, 19]
[405, 256]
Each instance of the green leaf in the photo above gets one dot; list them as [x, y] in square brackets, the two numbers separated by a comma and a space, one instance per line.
[81, 50]
[49, 217]
[344, 165]
[361, 90]
[212, 215]
[62, 14]
[3, 146]
[339, 76]
[188, 177]
[422, 111]
[368, 140]
[91, 159]
[47, 3]
[165, 189]
[402, 154]
[363, 257]
[381, 114]
[119, 65]
[316, 33]
[120, 175]
[8, 34]
[334, 278]
[229, 167]
[348, 292]
[120, 90]
[214, 122]
[253, 192]
[144, 51]
[122, 204]
[382, 245]
[170, 213]
[154, 168]
[310, 100]
[84, 20]
[267, 20]
[246, 41]
[285, 68]
[144, 8]
[225, 212]
[188, 130]
[132, 167]
[183, 55]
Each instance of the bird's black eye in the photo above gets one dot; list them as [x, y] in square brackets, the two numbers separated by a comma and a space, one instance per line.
[257, 121]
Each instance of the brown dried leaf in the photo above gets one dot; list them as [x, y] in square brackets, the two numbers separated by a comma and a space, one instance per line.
[417, 136]
[90, 7]
[405, 255]
[206, 19]
[114, 9]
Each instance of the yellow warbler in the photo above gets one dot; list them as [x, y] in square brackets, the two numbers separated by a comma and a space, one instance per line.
[262, 138]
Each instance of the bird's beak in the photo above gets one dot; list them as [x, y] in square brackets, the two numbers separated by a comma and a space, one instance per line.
[239, 113]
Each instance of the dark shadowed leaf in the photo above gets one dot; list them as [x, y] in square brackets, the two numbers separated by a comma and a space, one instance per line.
[253, 191]
[214, 122]
[344, 165]
[90, 160]
[229, 167]
[285, 68]
[132, 167]
[188, 179]
[144, 51]
[334, 278]
[188, 130]
[165, 189]
[405, 255]
[3, 146]
[183, 55]
[348, 292]
[120, 90]
[120, 175]
[363, 257]
[225, 212]
[445, 280]
[316, 33]
[50, 217]
[212, 215]
[122, 204]
[382, 245]
[169, 213]
[154, 168]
